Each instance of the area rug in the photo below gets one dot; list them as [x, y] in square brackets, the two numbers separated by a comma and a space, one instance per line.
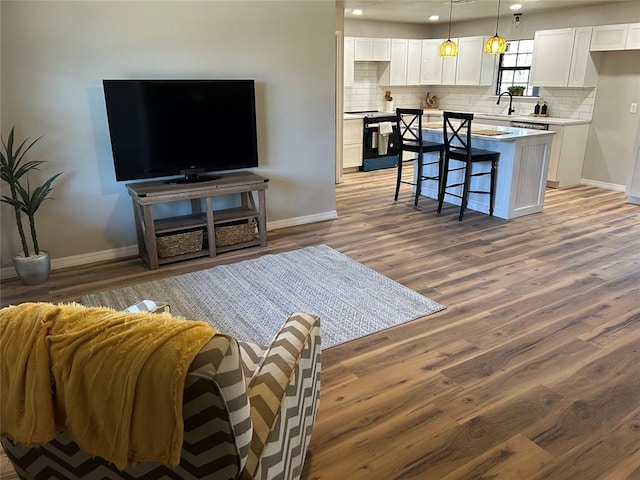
[251, 299]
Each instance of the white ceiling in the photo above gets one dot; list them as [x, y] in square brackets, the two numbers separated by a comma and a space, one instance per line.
[418, 11]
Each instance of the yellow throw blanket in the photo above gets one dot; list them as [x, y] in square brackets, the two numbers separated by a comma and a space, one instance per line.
[113, 380]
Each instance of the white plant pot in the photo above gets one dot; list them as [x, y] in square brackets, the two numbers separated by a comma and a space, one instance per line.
[32, 270]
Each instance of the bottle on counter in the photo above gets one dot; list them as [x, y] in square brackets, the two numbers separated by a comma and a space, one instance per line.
[536, 109]
[543, 109]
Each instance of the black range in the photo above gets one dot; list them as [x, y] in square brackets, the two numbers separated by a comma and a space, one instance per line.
[378, 152]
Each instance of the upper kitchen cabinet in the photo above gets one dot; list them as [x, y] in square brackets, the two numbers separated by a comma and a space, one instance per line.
[414, 59]
[395, 72]
[474, 67]
[633, 37]
[349, 45]
[556, 65]
[372, 49]
[450, 66]
[398, 62]
[470, 67]
[609, 37]
[583, 69]
[622, 36]
[431, 63]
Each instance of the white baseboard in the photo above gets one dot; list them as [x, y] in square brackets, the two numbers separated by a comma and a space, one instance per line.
[7, 273]
[76, 260]
[605, 185]
[292, 222]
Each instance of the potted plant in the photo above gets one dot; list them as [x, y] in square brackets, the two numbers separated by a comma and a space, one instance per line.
[32, 266]
[516, 90]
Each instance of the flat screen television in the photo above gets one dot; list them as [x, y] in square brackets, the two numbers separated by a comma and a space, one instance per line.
[162, 128]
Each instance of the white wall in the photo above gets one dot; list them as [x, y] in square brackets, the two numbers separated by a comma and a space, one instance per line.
[613, 129]
[55, 55]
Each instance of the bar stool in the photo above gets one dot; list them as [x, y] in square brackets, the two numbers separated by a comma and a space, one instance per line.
[457, 142]
[410, 140]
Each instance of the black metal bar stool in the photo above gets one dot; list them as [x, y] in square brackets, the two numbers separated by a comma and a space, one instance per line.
[410, 140]
[457, 142]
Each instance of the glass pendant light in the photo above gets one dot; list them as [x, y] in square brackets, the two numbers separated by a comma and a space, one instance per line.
[449, 47]
[496, 45]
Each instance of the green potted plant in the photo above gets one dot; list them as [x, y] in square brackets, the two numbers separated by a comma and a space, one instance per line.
[516, 90]
[32, 266]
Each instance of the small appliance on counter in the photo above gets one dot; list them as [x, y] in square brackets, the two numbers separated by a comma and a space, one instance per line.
[379, 149]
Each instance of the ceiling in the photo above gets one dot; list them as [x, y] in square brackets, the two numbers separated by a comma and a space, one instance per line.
[418, 11]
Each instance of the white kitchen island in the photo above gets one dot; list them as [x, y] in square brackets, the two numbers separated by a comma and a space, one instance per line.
[522, 169]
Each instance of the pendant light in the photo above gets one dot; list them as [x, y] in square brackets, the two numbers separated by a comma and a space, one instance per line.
[496, 45]
[449, 47]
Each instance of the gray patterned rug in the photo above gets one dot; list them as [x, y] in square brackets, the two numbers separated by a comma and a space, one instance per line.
[251, 299]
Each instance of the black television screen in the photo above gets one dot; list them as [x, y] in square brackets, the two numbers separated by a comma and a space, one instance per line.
[180, 127]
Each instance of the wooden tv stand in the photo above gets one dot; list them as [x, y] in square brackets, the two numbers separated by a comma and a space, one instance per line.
[147, 194]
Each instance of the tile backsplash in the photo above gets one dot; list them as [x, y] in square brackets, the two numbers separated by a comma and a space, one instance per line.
[367, 94]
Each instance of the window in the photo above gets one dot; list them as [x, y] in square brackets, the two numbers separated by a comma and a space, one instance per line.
[515, 66]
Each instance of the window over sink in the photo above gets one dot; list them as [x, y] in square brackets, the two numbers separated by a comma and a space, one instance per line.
[514, 67]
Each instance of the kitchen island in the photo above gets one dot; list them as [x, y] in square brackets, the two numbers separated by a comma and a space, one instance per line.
[522, 169]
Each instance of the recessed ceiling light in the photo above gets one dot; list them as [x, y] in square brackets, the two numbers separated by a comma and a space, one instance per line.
[433, 18]
[515, 6]
[356, 11]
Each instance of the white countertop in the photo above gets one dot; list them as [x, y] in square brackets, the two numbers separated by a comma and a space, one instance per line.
[521, 118]
[514, 133]
[532, 119]
[505, 118]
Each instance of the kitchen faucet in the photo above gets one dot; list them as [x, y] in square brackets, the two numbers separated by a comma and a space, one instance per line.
[511, 110]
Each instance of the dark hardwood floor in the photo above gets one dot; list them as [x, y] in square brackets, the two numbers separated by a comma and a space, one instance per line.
[532, 372]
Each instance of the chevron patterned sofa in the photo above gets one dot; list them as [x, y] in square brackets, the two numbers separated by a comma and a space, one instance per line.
[248, 414]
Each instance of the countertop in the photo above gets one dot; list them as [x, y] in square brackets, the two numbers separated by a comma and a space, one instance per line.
[514, 133]
[353, 116]
[504, 118]
[520, 118]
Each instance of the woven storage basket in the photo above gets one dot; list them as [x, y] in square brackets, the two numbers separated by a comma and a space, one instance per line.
[179, 243]
[238, 233]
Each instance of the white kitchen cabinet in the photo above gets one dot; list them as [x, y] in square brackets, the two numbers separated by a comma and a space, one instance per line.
[414, 59]
[567, 155]
[621, 36]
[551, 57]
[474, 67]
[416, 62]
[633, 37]
[372, 49]
[395, 72]
[431, 63]
[352, 143]
[583, 69]
[561, 59]
[471, 66]
[398, 62]
[449, 67]
[348, 53]
[609, 37]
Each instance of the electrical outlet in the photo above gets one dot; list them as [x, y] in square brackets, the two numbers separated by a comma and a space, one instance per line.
[634, 108]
